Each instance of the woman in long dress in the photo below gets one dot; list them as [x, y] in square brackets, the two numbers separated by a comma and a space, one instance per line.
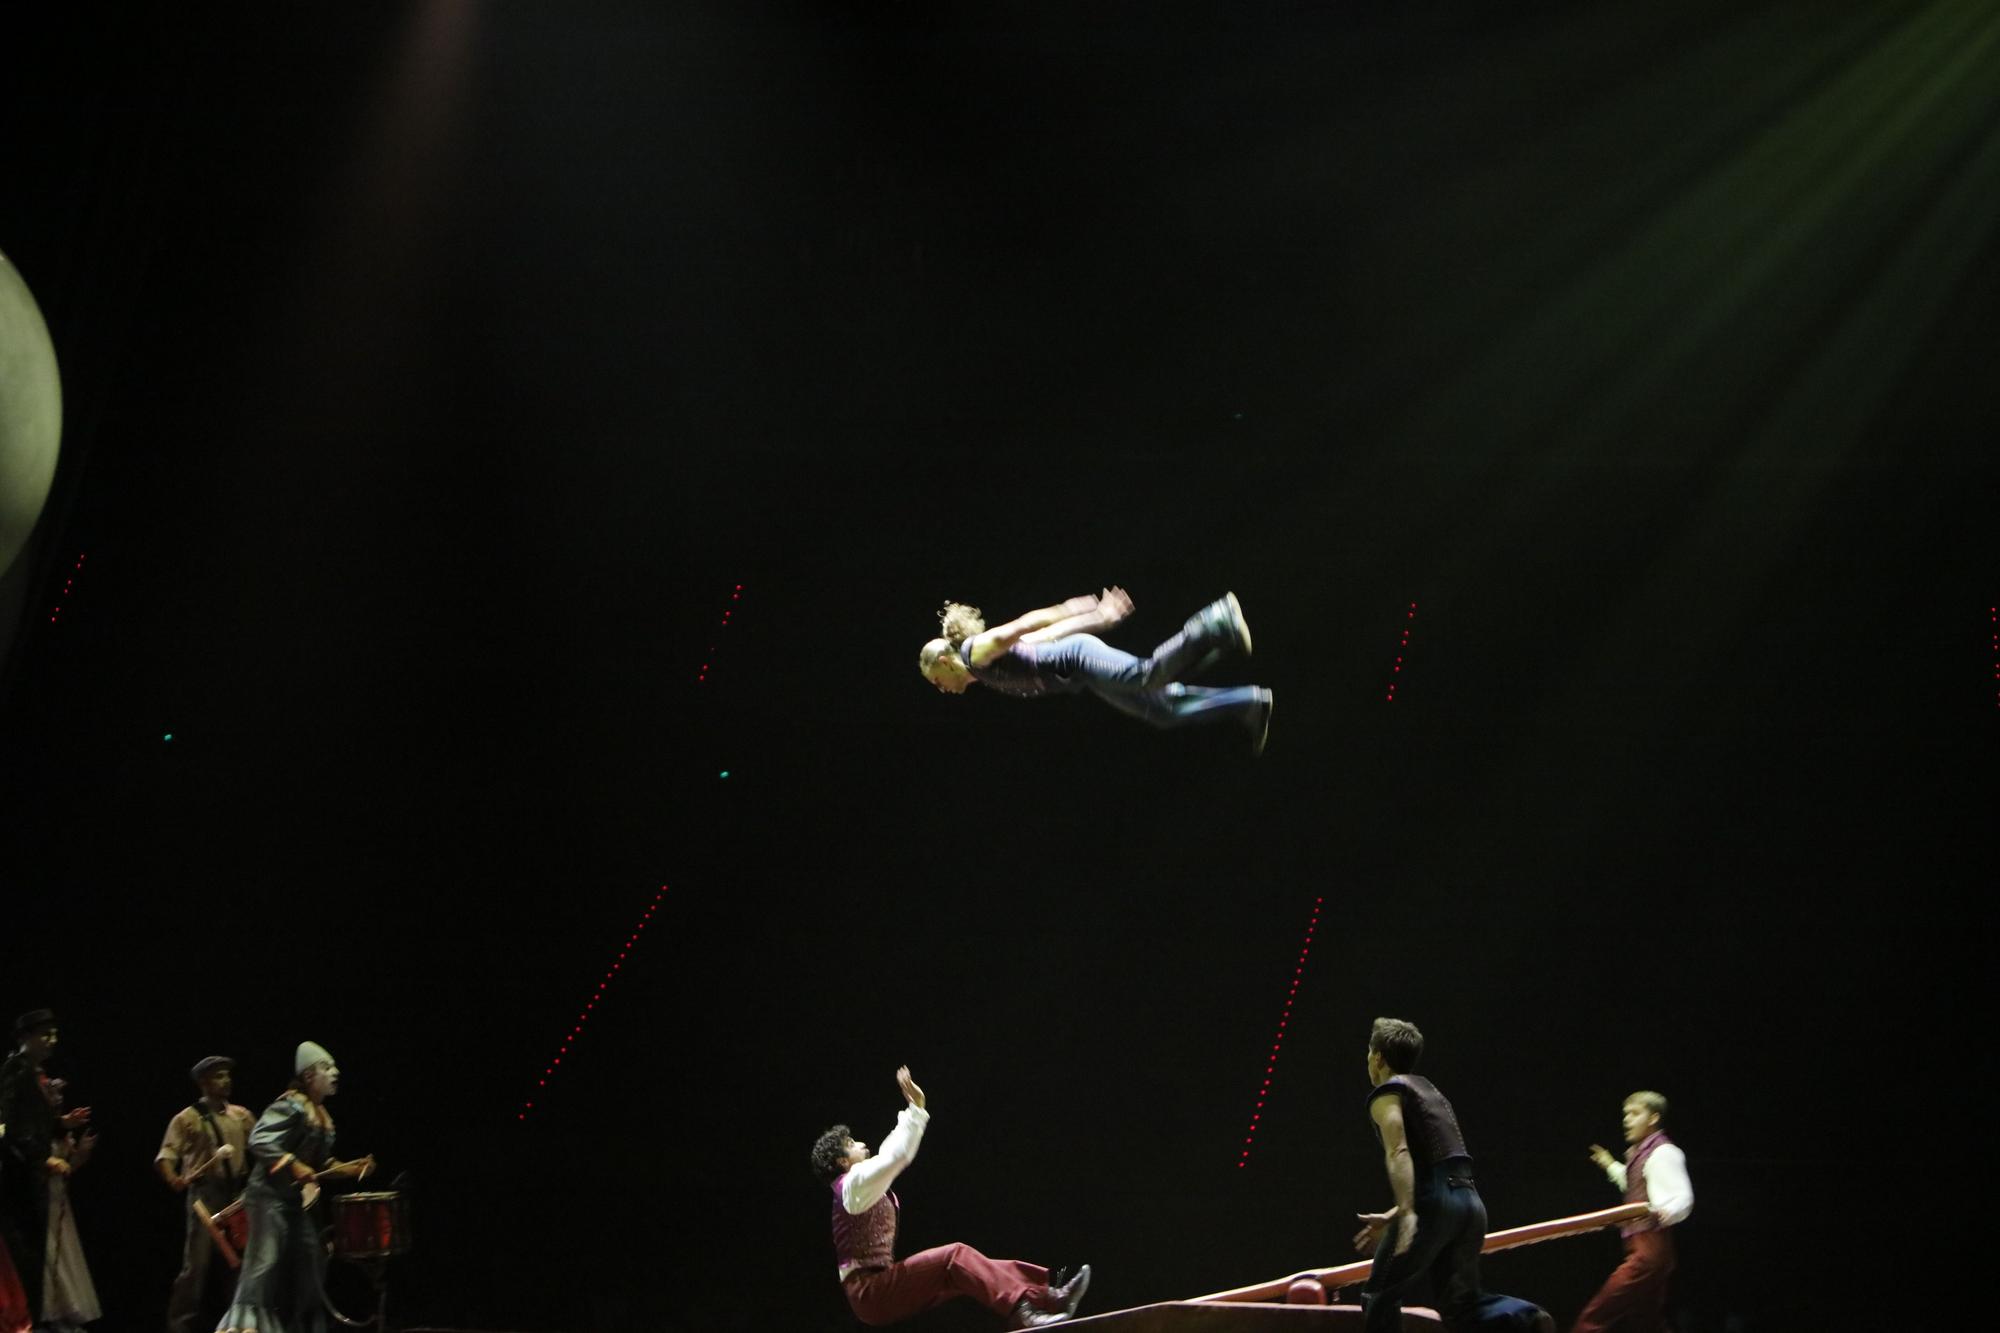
[291, 1147]
[69, 1297]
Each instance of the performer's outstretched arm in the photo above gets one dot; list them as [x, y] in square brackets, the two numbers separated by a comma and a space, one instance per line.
[1113, 605]
[867, 1181]
[993, 642]
[1613, 1168]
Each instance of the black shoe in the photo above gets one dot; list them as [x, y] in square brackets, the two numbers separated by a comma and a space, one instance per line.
[1027, 1316]
[1238, 626]
[1069, 1294]
[1218, 627]
[1260, 720]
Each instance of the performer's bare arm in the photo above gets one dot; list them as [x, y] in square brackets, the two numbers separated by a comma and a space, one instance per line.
[1388, 1116]
[868, 1180]
[1113, 605]
[993, 642]
[168, 1163]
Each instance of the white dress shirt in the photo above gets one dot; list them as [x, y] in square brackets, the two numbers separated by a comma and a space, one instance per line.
[1669, 1192]
[865, 1183]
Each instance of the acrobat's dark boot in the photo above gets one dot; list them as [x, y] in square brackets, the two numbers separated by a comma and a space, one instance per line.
[1220, 626]
[1259, 721]
[1069, 1294]
[1216, 629]
[1027, 1316]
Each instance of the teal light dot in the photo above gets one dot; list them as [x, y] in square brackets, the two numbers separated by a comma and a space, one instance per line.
[169, 736]
[724, 773]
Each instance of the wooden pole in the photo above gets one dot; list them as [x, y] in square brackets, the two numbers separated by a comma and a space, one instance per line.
[1347, 1275]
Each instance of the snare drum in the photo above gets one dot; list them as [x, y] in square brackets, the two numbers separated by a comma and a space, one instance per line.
[369, 1226]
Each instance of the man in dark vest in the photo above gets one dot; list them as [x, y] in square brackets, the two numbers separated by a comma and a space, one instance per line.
[1634, 1298]
[879, 1288]
[1429, 1242]
[27, 1154]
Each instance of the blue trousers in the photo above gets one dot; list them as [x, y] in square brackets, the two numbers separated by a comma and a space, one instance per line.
[1148, 688]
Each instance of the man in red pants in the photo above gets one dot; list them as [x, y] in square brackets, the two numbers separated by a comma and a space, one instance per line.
[1633, 1299]
[882, 1290]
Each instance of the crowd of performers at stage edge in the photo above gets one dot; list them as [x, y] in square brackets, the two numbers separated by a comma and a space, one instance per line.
[265, 1171]
[1425, 1248]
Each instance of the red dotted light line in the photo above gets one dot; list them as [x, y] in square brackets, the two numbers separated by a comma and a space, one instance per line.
[1401, 648]
[1278, 1041]
[590, 1005]
[734, 597]
[62, 598]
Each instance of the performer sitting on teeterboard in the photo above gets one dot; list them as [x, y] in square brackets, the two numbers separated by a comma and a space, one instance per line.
[1056, 650]
[882, 1289]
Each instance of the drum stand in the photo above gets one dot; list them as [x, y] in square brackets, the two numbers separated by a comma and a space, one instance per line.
[377, 1269]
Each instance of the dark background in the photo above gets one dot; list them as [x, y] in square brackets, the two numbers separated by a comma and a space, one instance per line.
[435, 373]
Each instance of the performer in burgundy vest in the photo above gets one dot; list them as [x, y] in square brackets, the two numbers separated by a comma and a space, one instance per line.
[1429, 1242]
[882, 1290]
[1634, 1298]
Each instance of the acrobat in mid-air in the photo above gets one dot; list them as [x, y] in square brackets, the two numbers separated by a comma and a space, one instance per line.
[1056, 651]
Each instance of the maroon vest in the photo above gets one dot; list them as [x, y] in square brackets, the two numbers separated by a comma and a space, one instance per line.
[864, 1240]
[1434, 1136]
[1635, 1181]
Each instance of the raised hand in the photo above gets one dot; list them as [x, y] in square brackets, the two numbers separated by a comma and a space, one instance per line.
[912, 1094]
[1600, 1156]
[1113, 605]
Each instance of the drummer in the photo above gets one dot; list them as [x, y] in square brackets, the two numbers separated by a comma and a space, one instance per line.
[291, 1150]
[206, 1156]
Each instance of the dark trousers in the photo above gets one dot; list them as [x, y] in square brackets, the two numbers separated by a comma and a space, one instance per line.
[1634, 1298]
[931, 1277]
[1442, 1262]
[205, 1282]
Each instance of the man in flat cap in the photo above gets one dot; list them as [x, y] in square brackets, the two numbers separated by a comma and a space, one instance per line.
[205, 1155]
[27, 1151]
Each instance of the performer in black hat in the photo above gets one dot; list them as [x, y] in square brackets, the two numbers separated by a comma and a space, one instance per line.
[26, 1156]
[205, 1155]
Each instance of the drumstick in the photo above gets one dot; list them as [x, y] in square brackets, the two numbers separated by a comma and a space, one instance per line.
[226, 1150]
[222, 1244]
